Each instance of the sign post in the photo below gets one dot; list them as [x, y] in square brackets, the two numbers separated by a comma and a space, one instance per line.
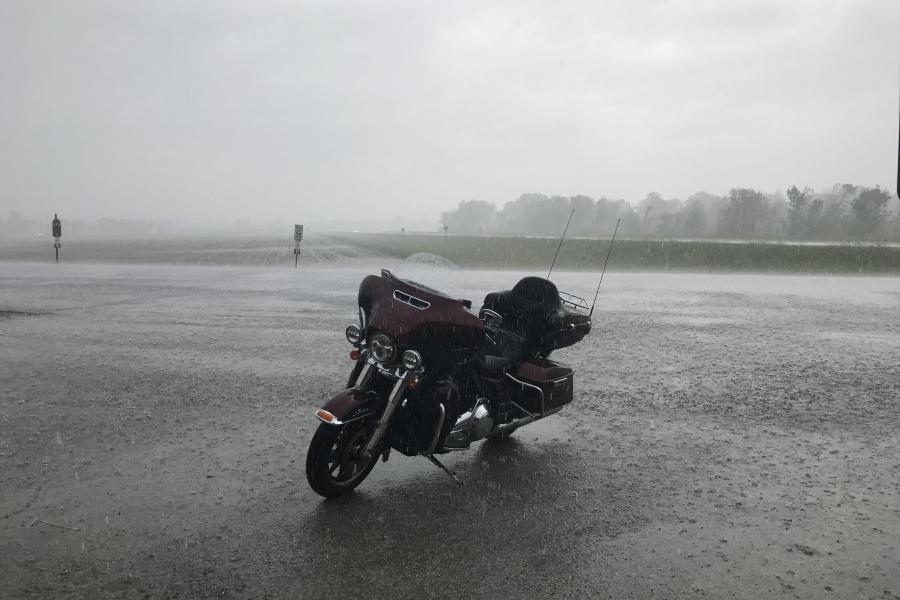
[56, 229]
[298, 237]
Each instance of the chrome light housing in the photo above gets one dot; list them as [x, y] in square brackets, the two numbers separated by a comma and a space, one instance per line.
[354, 334]
[382, 347]
[412, 360]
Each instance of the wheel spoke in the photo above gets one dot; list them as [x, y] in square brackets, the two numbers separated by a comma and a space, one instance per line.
[345, 461]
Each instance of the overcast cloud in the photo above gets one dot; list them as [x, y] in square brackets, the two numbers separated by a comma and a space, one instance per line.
[311, 111]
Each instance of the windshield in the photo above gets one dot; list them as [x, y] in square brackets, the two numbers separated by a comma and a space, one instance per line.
[433, 273]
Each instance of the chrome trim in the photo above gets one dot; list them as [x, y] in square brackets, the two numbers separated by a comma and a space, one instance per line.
[511, 426]
[482, 422]
[364, 375]
[464, 432]
[576, 303]
[405, 298]
[336, 422]
[437, 431]
[496, 319]
[416, 356]
[385, 419]
[539, 390]
[391, 345]
[359, 330]
[532, 415]
[387, 372]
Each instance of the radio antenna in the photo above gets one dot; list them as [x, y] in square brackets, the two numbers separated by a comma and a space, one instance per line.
[604, 266]
[560, 244]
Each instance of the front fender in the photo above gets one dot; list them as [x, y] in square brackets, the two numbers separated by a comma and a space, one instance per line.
[347, 405]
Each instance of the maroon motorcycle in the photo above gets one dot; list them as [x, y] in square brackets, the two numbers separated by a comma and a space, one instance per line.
[431, 377]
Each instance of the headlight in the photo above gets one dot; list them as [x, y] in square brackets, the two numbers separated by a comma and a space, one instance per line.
[382, 348]
[354, 334]
[412, 360]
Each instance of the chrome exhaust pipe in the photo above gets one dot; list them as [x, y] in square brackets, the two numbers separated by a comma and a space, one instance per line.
[511, 426]
[507, 428]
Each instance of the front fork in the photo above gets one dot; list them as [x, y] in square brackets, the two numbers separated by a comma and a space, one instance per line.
[403, 377]
[385, 419]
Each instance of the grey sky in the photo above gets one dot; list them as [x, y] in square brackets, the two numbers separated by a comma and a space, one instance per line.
[277, 110]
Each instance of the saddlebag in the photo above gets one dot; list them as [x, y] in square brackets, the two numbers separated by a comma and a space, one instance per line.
[552, 379]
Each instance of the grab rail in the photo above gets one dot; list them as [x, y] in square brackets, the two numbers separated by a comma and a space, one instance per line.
[524, 384]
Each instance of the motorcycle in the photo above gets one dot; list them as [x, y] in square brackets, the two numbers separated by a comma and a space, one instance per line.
[430, 377]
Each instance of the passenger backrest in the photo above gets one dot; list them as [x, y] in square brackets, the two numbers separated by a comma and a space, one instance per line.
[532, 309]
[539, 290]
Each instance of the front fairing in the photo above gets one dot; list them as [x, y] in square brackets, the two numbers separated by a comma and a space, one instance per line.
[417, 317]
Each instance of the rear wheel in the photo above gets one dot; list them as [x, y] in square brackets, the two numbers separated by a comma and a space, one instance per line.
[335, 463]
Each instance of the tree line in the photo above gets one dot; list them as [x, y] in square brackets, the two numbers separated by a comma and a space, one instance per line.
[844, 213]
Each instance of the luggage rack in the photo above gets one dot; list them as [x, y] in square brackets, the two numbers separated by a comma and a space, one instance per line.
[574, 303]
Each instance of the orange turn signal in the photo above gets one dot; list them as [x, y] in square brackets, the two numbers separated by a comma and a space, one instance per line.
[411, 383]
[325, 415]
[354, 354]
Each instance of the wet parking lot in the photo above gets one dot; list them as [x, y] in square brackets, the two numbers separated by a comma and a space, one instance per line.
[731, 436]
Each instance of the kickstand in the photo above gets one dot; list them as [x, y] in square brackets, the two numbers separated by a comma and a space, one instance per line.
[446, 470]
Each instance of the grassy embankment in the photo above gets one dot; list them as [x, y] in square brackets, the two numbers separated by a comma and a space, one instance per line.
[637, 255]
[476, 252]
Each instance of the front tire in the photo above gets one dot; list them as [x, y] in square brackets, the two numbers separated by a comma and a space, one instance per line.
[334, 461]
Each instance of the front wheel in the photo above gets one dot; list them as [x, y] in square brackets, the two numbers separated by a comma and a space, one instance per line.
[334, 462]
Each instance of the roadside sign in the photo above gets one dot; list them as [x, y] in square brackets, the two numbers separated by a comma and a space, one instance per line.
[56, 230]
[298, 237]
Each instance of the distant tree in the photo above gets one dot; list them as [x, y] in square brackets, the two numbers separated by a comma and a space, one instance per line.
[652, 201]
[832, 224]
[746, 215]
[797, 225]
[844, 210]
[870, 212]
[17, 225]
[670, 224]
[660, 216]
[471, 216]
[894, 228]
[894, 223]
[650, 209]
[845, 190]
[814, 217]
[522, 215]
[713, 206]
[694, 219]
[583, 221]
[630, 223]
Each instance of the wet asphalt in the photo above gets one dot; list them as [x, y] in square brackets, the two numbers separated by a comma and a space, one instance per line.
[732, 436]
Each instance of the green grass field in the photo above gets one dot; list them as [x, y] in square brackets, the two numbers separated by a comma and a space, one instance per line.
[474, 252]
[636, 255]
